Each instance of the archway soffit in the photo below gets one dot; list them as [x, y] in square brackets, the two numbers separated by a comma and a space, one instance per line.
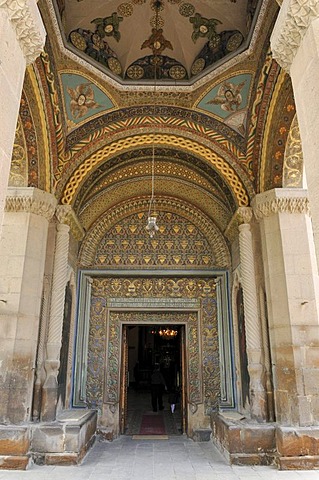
[226, 171]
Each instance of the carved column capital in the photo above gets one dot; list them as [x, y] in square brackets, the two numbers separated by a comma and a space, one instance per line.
[30, 200]
[292, 23]
[284, 200]
[27, 23]
[66, 215]
[244, 215]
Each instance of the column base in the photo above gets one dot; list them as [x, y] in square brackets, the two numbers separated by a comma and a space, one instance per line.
[14, 447]
[63, 442]
[298, 448]
[243, 442]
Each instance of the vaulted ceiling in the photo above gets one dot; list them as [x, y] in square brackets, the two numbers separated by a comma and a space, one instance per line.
[212, 118]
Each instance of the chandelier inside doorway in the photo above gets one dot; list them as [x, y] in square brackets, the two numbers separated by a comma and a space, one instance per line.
[166, 333]
[156, 47]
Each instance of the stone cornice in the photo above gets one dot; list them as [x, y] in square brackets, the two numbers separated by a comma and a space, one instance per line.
[65, 214]
[30, 200]
[292, 23]
[281, 201]
[27, 23]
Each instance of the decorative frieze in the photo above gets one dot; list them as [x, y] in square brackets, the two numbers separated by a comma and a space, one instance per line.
[293, 21]
[293, 161]
[30, 200]
[293, 204]
[26, 20]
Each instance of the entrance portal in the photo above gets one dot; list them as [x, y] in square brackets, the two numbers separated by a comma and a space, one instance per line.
[113, 307]
[145, 348]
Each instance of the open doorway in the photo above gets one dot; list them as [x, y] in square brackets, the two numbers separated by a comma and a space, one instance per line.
[145, 348]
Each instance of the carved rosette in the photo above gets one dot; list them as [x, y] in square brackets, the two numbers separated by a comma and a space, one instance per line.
[28, 26]
[293, 21]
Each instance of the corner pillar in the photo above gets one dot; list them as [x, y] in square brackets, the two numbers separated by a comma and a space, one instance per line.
[292, 294]
[22, 262]
[22, 40]
[295, 46]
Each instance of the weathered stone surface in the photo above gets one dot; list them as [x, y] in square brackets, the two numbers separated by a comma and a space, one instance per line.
[202, 434]
[244, 443]
[299, 441]
[48, 438]
[64, 442]
[14, 440]
[62, 459]
[14, 462]
[298, 463]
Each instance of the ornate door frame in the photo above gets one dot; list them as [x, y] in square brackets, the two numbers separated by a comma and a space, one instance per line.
[201, 303]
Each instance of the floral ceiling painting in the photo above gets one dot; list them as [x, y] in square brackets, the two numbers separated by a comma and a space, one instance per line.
[82, 99]
[175, 40]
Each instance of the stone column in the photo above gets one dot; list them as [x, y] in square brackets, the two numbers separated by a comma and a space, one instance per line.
[295, 46]
[66, 219]
[292, 298]
[22, 261]
[267, 363]
[22, 40]
[258, 402]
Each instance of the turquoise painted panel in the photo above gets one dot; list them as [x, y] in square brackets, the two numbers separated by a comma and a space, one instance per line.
[83, 99]
[228, 97]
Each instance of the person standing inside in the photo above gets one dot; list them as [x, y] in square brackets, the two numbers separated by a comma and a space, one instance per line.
[157, 387]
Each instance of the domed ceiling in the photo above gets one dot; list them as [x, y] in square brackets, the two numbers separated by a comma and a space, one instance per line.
[183, 39]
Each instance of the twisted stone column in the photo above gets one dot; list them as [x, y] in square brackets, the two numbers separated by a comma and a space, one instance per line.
[39, 371]
[256, 370]
[54, 340]
[267, 360]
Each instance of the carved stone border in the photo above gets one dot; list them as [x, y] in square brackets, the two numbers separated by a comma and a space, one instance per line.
[30, 200]
[283, 200]
[26, 21]
[293, 21]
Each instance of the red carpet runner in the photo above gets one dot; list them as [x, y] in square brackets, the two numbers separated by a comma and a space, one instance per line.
[152, 425]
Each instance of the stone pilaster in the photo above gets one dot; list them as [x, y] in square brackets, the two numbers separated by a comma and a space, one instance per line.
[66, 221]
[295, 46]
[258, 404]
[22, 40]
[22, 260]
[292, 297]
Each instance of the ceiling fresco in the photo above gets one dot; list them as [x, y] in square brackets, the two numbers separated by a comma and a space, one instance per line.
[83, 99]
[171, 40]
[229, 101]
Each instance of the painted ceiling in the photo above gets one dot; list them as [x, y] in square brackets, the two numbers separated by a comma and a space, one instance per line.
[171, 40]
[92, 133]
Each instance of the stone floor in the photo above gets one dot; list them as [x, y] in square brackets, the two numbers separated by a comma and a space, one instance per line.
[177, 458]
